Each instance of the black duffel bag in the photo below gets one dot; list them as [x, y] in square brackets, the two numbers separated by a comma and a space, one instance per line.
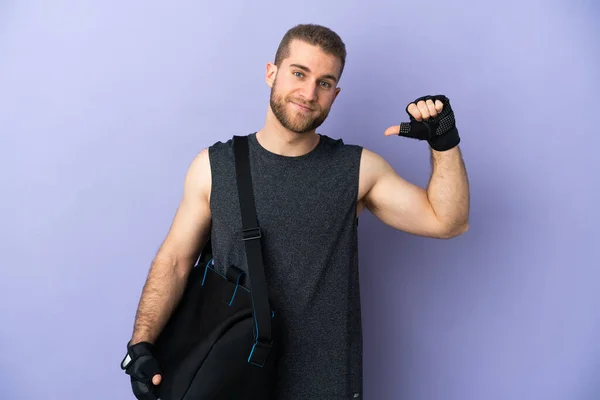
[219, 343]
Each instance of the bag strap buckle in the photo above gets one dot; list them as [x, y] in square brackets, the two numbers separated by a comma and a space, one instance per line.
[259, 353]
[251, 233]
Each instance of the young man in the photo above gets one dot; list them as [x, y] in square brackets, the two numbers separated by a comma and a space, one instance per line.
[309, 192]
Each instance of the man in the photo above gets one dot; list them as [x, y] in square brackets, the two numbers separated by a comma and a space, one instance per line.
[310, 190]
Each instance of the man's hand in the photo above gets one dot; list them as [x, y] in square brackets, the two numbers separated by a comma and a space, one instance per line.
[432, 119]
[139, 363]
[423, 110]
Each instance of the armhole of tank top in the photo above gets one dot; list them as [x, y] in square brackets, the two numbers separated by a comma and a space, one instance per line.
[359, 151]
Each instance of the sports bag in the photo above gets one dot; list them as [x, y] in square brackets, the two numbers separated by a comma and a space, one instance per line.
[219, 343]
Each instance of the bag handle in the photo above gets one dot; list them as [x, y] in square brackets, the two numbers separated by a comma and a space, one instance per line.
[251, 235]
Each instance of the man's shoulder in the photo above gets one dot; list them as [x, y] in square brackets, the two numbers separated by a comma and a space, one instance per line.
[224, 147]
[338, 143]
[225, 142]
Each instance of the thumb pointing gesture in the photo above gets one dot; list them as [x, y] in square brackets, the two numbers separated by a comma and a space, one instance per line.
[431, 119]
[422, 110]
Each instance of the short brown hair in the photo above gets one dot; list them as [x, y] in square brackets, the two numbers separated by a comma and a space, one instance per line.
[316, 35]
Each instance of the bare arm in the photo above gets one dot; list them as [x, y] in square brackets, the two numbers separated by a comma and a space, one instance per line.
[448, 190]
[170, 268]
[440, 211]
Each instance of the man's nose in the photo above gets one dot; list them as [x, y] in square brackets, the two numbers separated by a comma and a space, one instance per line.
[309, 91]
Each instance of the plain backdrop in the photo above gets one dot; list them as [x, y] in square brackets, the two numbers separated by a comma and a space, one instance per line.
[103, 105]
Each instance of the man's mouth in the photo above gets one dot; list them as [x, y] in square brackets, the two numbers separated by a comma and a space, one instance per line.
[302, 106]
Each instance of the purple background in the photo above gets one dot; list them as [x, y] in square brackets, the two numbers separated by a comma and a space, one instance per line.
[104, 104]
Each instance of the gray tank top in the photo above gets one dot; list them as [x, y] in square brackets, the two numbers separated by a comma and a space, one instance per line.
[306, 208]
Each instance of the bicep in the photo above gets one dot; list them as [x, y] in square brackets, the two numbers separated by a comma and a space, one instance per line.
[397, 202]
[191, 225]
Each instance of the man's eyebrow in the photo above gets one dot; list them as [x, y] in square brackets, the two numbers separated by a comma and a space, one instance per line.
[304, 68]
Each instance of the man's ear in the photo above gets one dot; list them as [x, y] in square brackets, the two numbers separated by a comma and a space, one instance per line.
[337, 91]
[271, 74]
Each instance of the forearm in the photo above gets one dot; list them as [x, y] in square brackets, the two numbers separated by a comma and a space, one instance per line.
[162, 292]
[448, 190]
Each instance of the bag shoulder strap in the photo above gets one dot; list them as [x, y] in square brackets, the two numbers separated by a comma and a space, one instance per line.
[251, 235]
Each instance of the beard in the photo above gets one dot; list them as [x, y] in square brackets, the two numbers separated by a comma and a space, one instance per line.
[296, 121]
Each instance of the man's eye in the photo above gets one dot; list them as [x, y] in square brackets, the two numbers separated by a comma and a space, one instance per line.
[298, 74]
[326, 84]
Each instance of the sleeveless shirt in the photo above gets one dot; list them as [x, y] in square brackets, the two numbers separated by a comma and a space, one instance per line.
[306, 207]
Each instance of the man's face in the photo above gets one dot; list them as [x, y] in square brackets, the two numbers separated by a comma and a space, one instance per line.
[303, 87]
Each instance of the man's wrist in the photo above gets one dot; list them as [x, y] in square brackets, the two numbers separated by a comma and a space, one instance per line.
[446, 141]
[139, 338]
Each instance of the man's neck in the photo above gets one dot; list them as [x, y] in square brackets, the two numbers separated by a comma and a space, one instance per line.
[279, 140]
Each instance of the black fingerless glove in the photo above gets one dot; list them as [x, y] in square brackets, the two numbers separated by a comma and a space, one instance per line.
[141, 366]
[440, 132]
